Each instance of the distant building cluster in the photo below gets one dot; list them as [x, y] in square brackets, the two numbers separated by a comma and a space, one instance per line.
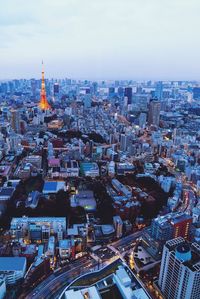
[95, 171]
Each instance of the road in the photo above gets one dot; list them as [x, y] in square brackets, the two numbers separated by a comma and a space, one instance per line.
[49, 287]
[55, 282]
[123, 244]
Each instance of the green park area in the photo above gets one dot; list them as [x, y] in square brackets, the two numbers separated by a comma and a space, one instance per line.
[94, 277]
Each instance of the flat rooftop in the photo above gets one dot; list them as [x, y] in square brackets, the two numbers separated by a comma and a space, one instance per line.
[53, 186]
[87, 293]
[6, 191]
[12, 263]
[87, 166]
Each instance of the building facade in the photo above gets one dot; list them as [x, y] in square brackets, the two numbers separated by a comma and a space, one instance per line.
[180, 270]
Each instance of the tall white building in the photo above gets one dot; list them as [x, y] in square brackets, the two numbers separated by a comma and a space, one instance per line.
[142, 120]
[111, 168]
[180, 270]
[118, 224]
[13, 142]
[154, 113]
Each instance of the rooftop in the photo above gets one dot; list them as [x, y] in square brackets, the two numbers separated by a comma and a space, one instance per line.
[6, 191]
[87, 166]
[12, 263]
[65, 243]
[53, 186]
[193, 262]
[87, 293]
[54, 162]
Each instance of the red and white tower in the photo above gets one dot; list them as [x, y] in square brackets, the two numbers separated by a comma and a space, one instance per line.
[43, 104]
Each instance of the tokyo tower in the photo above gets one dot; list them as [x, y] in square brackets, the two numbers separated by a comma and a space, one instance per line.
[43, 104]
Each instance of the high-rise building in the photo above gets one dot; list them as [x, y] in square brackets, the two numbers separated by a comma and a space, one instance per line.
[13, 142]
[118, 224]
[180, 270]
[94, 88]
[196, 93]
[56, 88]
[33, 88]
[125, 141]
[120, 91]
[15, 120]
[43, 104]
[154, 112]
[111, 91]
[170, 226]
[142, 120]
[87, 101]
[87, 90]
[159, 90]
[181, 226]
[161, 229]
[128, 93]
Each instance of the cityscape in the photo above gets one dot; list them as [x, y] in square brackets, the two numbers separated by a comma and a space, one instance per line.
[99, 186]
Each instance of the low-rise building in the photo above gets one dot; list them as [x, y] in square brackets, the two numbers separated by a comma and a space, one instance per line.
[5, 171]
[121, 189]
[6, 193]
[89, 169]
[52, 187]
[120, 284]
[72, 168]
[51, 246]
[14, 269]
[33, 199]
[90, 292]
[84, 199]
[125, 168]
[65, 248]
[37, 228]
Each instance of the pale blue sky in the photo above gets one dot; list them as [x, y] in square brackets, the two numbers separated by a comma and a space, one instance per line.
[110, 39]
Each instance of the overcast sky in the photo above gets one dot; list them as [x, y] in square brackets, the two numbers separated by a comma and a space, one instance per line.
[100, 39]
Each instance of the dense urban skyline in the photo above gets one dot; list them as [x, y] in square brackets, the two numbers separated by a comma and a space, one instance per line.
[100, 39]
[99, 149]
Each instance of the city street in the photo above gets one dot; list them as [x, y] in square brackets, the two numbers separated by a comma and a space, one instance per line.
[55, 282]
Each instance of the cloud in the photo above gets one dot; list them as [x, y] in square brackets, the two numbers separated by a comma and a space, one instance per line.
[101, 38]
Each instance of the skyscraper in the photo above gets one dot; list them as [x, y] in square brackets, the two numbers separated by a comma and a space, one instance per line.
[142, 120]
[15, 120]
[33, 88]
[56, 88]
[180, 270]
[154, 112]
[125, 141]
[120, 91]
[128, 94]
[111, 91]
[43, 104]
[196, 93]
[159, 90]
